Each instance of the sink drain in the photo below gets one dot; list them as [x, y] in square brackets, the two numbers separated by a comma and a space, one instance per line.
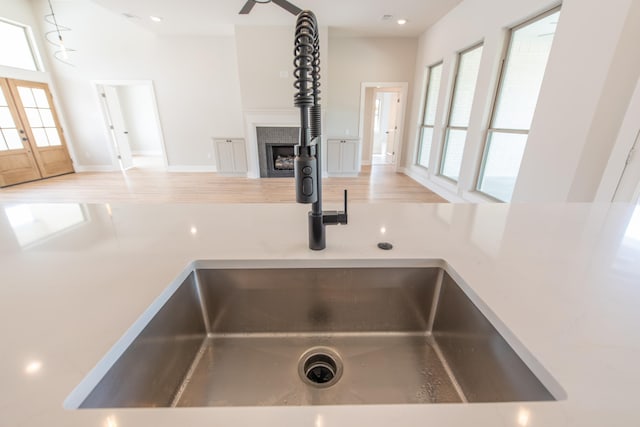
[320, 367]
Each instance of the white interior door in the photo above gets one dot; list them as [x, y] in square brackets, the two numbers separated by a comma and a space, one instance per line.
[385, 125]
[117, 127]
[379, 124]
[392, 127]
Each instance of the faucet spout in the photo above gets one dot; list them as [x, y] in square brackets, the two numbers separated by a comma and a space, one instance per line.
[308, 165]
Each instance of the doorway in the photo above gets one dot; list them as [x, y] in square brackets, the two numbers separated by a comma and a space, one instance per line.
[132, 121]
[32, 144]
[385, 126]
[382, 118]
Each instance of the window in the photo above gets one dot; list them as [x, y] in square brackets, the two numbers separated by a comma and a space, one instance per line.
[515, 104]
[16, 49]
[429, 119]
[463, 92]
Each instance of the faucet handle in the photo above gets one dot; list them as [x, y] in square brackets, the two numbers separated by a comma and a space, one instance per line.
[336, 217]
[343, 216]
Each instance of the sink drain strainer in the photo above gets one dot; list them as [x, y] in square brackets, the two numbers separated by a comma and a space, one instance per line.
[320, 367]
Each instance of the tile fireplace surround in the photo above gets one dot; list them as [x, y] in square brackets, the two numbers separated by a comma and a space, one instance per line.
[275, 150]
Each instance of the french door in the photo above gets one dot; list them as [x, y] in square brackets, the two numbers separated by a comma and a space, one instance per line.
[32, 144]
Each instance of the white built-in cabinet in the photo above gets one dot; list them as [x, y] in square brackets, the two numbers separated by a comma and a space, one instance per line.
[231, 156]
[342, 156]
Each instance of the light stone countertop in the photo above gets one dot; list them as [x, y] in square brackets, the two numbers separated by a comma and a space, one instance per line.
[563, 278]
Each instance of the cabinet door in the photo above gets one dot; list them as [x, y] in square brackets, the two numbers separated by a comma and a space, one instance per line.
[224, 156]
[334, 156]
[239, 156]
[349, 157]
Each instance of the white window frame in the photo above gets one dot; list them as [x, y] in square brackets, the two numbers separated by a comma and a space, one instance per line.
[448, 127]
[490, 130]
[424, 112]
[35, 54]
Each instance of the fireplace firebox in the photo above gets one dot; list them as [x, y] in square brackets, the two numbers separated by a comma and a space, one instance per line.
[276, 151]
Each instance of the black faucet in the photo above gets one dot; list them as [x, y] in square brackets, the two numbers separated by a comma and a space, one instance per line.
[308, 169]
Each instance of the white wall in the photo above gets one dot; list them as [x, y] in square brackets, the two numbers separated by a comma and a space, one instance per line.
[265, 64]
[589, 78]
[195, 78]
[136, 102]
[354, 60]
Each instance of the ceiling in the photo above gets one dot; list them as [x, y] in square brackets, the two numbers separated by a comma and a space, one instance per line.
[345, 17]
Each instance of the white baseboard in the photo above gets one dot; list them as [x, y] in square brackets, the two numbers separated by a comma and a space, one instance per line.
[94, 168]
[189, 168]
[440, 191]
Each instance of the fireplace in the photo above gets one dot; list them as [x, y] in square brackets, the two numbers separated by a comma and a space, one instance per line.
[276, 151]
[280, 158]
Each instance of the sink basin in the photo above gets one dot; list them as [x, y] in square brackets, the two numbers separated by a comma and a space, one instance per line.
[246, 336]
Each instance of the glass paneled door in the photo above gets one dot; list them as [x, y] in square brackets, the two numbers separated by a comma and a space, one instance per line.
[17, 161]
[42, 127]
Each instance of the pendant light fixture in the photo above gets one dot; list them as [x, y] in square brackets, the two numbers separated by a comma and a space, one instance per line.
[54, 37]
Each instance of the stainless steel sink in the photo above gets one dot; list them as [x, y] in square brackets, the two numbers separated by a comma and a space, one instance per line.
[315, 336]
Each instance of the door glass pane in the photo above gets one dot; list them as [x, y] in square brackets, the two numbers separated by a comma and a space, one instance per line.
[524, 70]
[47, 118]
[16, 50]
[12, 139]
[41, 98]
[54, 138]
[26, 96]
[41, 137]
[34, 117]
[433, 90]
[502, 164]
[465, 87]
[6, 119]
[454, 148]
[426, 138]
[3, 145]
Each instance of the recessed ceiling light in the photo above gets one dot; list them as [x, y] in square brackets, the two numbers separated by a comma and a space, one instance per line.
[155, 18]
[402, 21]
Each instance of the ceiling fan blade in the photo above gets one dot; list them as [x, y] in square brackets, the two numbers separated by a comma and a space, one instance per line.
[288, 6]
[247, 7]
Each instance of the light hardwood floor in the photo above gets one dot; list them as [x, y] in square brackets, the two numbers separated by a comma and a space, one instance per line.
[375, 184]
